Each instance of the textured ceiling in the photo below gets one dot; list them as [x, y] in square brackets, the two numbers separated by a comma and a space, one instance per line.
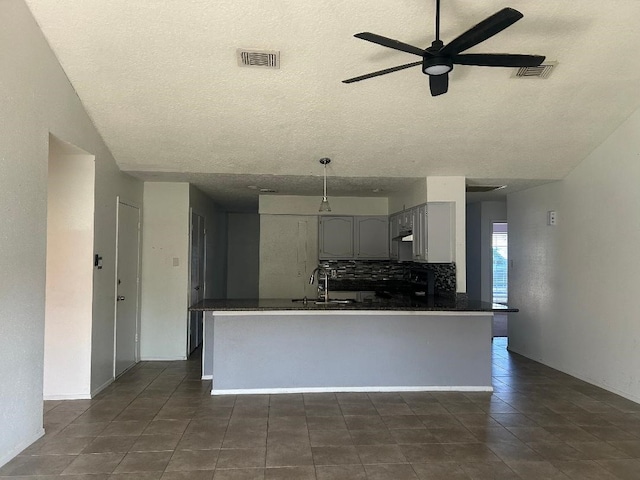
[161, 82]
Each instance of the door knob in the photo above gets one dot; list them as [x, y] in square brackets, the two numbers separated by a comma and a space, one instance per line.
[120, 297]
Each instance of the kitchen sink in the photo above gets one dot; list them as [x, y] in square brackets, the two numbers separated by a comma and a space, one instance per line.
[337, 301]
[344, 301]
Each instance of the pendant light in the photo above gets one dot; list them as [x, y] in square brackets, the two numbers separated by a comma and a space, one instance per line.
[324, 205]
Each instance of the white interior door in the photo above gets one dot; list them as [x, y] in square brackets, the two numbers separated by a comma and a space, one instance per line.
[196, 286]
[126, 326]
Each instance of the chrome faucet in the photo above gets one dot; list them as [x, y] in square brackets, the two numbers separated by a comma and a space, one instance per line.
[322, 292]
[313, 275]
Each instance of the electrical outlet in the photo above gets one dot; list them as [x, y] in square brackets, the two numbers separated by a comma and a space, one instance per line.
[334, 274]
[552, 218]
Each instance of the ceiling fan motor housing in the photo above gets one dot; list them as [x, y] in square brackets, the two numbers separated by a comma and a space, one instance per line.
[436, 65]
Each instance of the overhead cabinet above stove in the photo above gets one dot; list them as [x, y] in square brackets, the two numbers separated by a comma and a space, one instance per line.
[353, 237]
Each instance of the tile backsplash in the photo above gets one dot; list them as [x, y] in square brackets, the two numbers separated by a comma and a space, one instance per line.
[349, 274]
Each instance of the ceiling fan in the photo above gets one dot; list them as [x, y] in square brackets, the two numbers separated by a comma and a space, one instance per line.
[438, 59]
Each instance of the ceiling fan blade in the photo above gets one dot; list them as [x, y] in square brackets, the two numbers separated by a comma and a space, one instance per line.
[485, 29]
[498, 60]
[381, 72]
[438, 84]
[390, 43]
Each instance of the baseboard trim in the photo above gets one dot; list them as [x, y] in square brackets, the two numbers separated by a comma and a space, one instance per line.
[162, 359]
[102, 387]
[276, 391]
[579, 376]
[207, 377]
[69, 396]
[7, 457]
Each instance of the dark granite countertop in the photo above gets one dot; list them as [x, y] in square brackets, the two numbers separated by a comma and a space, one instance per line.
[397, 303]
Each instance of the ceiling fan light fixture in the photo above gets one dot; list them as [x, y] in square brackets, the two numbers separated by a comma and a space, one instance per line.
[436, 66]
[324, 204]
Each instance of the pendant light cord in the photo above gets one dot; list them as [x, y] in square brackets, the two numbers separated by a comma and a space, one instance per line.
[325, 182]
[437, 20]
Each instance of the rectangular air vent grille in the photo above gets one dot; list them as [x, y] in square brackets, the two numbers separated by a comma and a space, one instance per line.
[258, 58]
[541, 71]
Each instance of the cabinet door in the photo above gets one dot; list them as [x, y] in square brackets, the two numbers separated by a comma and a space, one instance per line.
[394, 231]
[407, 219]
[372, 237]
[419, 241]
[440, 236]
[335, 237]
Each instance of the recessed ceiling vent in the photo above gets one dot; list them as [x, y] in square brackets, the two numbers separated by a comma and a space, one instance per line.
[258, 58]
[483, 188]
[541, 71]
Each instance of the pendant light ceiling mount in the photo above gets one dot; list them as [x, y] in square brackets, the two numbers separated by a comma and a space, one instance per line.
[324, 204]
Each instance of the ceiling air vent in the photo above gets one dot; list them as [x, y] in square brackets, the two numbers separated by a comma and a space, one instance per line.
[483, 188]
[258, 58]
[541, 71]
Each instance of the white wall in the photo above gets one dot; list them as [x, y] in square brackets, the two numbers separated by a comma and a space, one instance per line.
[36, 99]
[416, 195]
[165, 264]
[452, 189]
[165, 271]
[576, 283]
[69, 275]
[243, 258]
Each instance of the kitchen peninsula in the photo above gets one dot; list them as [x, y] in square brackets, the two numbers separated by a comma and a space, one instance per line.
[271, 346]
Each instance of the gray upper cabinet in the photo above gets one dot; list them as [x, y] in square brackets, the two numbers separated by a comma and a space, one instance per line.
[440, 232]
[406, 219]
[419, 232]
[348, 238]
[394, 230]
[336, 237]
[371, 237]
[433, 227]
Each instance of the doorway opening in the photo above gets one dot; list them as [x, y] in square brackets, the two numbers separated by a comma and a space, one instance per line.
[197, 275]
[500, 275]
[69, 272]
[127, 325]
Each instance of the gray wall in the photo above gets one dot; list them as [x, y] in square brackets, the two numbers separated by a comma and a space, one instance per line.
[243, 255]
[216, 247]
[480, 219]
[36, 100]
[473, 230]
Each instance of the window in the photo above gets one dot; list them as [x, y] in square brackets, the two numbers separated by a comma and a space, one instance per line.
[500, 263]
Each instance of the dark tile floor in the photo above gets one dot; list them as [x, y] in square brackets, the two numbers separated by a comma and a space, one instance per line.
[159, 422]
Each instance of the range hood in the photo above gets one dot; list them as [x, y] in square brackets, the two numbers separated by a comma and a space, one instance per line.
[406, 236]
